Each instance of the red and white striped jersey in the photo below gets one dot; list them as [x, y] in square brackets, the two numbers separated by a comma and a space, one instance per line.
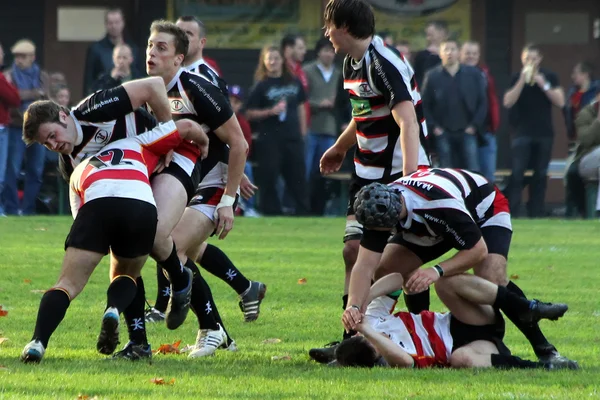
[122, 168]
[376, 84]
[425, 336]
[450, 204]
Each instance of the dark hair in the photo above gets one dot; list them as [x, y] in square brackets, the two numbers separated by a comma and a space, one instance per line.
[450, 40]
[356, 352]
[533, 47]
[439, 25]
[114, 10]
[355, 15]
[192, 18]
[403, 42]
[38, 113]
[586, 68]
[290, 40]
[322, 43]
[181, 40]
[261, 71]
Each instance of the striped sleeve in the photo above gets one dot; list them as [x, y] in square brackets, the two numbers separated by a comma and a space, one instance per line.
[392, 77]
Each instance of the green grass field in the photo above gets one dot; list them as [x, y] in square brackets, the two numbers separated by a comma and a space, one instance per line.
[553, 260]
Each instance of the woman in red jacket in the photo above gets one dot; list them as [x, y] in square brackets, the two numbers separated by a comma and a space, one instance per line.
[9, 98]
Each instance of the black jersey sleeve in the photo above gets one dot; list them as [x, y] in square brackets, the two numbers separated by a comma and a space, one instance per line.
[392, 78]
[211, 105]
[216, 80]
[454, 224]
[144, 121]
[104, 105]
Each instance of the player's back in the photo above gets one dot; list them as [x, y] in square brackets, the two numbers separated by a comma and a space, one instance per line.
[122, 168]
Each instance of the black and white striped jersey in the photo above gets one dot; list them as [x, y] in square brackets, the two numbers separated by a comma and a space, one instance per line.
[450, 204]
[376, 83]
[102, 118]
[200, 67]
[193, 96]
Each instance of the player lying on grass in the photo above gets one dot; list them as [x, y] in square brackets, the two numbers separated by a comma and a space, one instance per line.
[434, 211]
[469, 336]
[114, 210]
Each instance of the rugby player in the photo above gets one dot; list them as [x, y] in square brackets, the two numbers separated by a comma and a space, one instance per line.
[211, 209]
[434, 211]
[113, 206]
[210, 257]
[469, 336]
[388, 127]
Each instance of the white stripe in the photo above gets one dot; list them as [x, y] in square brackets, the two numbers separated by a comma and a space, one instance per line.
[501, 219]
[479, 180]
[485, 205]
[374, 145]
[423, 335]
[366, 172]
[185, 163]
[461, 179]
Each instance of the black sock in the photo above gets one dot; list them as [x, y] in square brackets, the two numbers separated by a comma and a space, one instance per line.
[415, 303]
[53, 308]
[501, 361]
[510, 303]
[202, 303]
[346, 335]
[163, 290]
[134, 315]
[533, 333]
[174, 268]
[217, 263]
[121, 292]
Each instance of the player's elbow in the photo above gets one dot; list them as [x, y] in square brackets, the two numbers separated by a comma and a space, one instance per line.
[479, 252]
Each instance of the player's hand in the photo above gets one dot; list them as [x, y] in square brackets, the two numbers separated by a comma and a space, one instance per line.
[438, 131]
[470, 130]
[540, 80]
[224, 221]
[247, 188]
[351, 318]
[332, 160]
[164, 162]
[421, 279]
[203, 149]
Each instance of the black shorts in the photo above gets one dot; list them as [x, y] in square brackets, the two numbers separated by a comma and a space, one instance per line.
[190, 183]
[497, 240]
[125, 226]
[463, 334]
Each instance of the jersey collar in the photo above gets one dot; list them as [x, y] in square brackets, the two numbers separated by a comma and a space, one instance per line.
[175, 79]
[78, 129]
[195, 64]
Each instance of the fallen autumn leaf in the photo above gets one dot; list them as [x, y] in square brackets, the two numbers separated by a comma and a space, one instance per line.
[168, 348]
[161, 381]
[302, 281]
[3, 339]
[3, 313]
[514, 276]
[271, 341]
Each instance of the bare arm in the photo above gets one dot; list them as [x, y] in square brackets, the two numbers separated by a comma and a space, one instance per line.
[556, 96]
[256, 115]
[386, 285]
[347, 139]
[464, 260]
[191, 130]
[513, 94]
[360, 279]
[406, 118]
[231, 134]
[152, 91]
[392, 353]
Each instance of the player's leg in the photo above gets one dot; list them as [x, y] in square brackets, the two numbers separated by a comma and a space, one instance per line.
[171, 198]
[77, 268]
[497, 235]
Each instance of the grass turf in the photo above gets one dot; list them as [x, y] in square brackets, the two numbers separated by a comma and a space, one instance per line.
[550, 260]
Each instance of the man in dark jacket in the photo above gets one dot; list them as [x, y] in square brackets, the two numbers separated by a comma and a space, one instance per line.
[99, 59]
[121, 72]
[455, 104]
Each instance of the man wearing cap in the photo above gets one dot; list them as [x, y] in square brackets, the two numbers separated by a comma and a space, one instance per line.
[33, 84]
[9, 97]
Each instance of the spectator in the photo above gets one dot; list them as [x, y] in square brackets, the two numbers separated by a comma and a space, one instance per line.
[121, 72]
[455, 103]
[323, 82]
[99, 59]
[33, 84]
[403, 47]
[236, 98]
[61, 95]
[196, 32]
[9, 98]
[471, 55]
[533, 92]
[581, 94]
[293, 48]
[436, 32]
[276, 108]
[587, 156]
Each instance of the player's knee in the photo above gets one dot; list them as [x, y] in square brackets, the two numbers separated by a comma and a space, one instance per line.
[493, 271]
[461, 358]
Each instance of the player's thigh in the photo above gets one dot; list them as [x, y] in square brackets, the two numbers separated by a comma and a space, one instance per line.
[397, 258]
[463, 310]
[171, 199]
[126, 266]
[476, 354]
[192, 230]
[78, 265]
